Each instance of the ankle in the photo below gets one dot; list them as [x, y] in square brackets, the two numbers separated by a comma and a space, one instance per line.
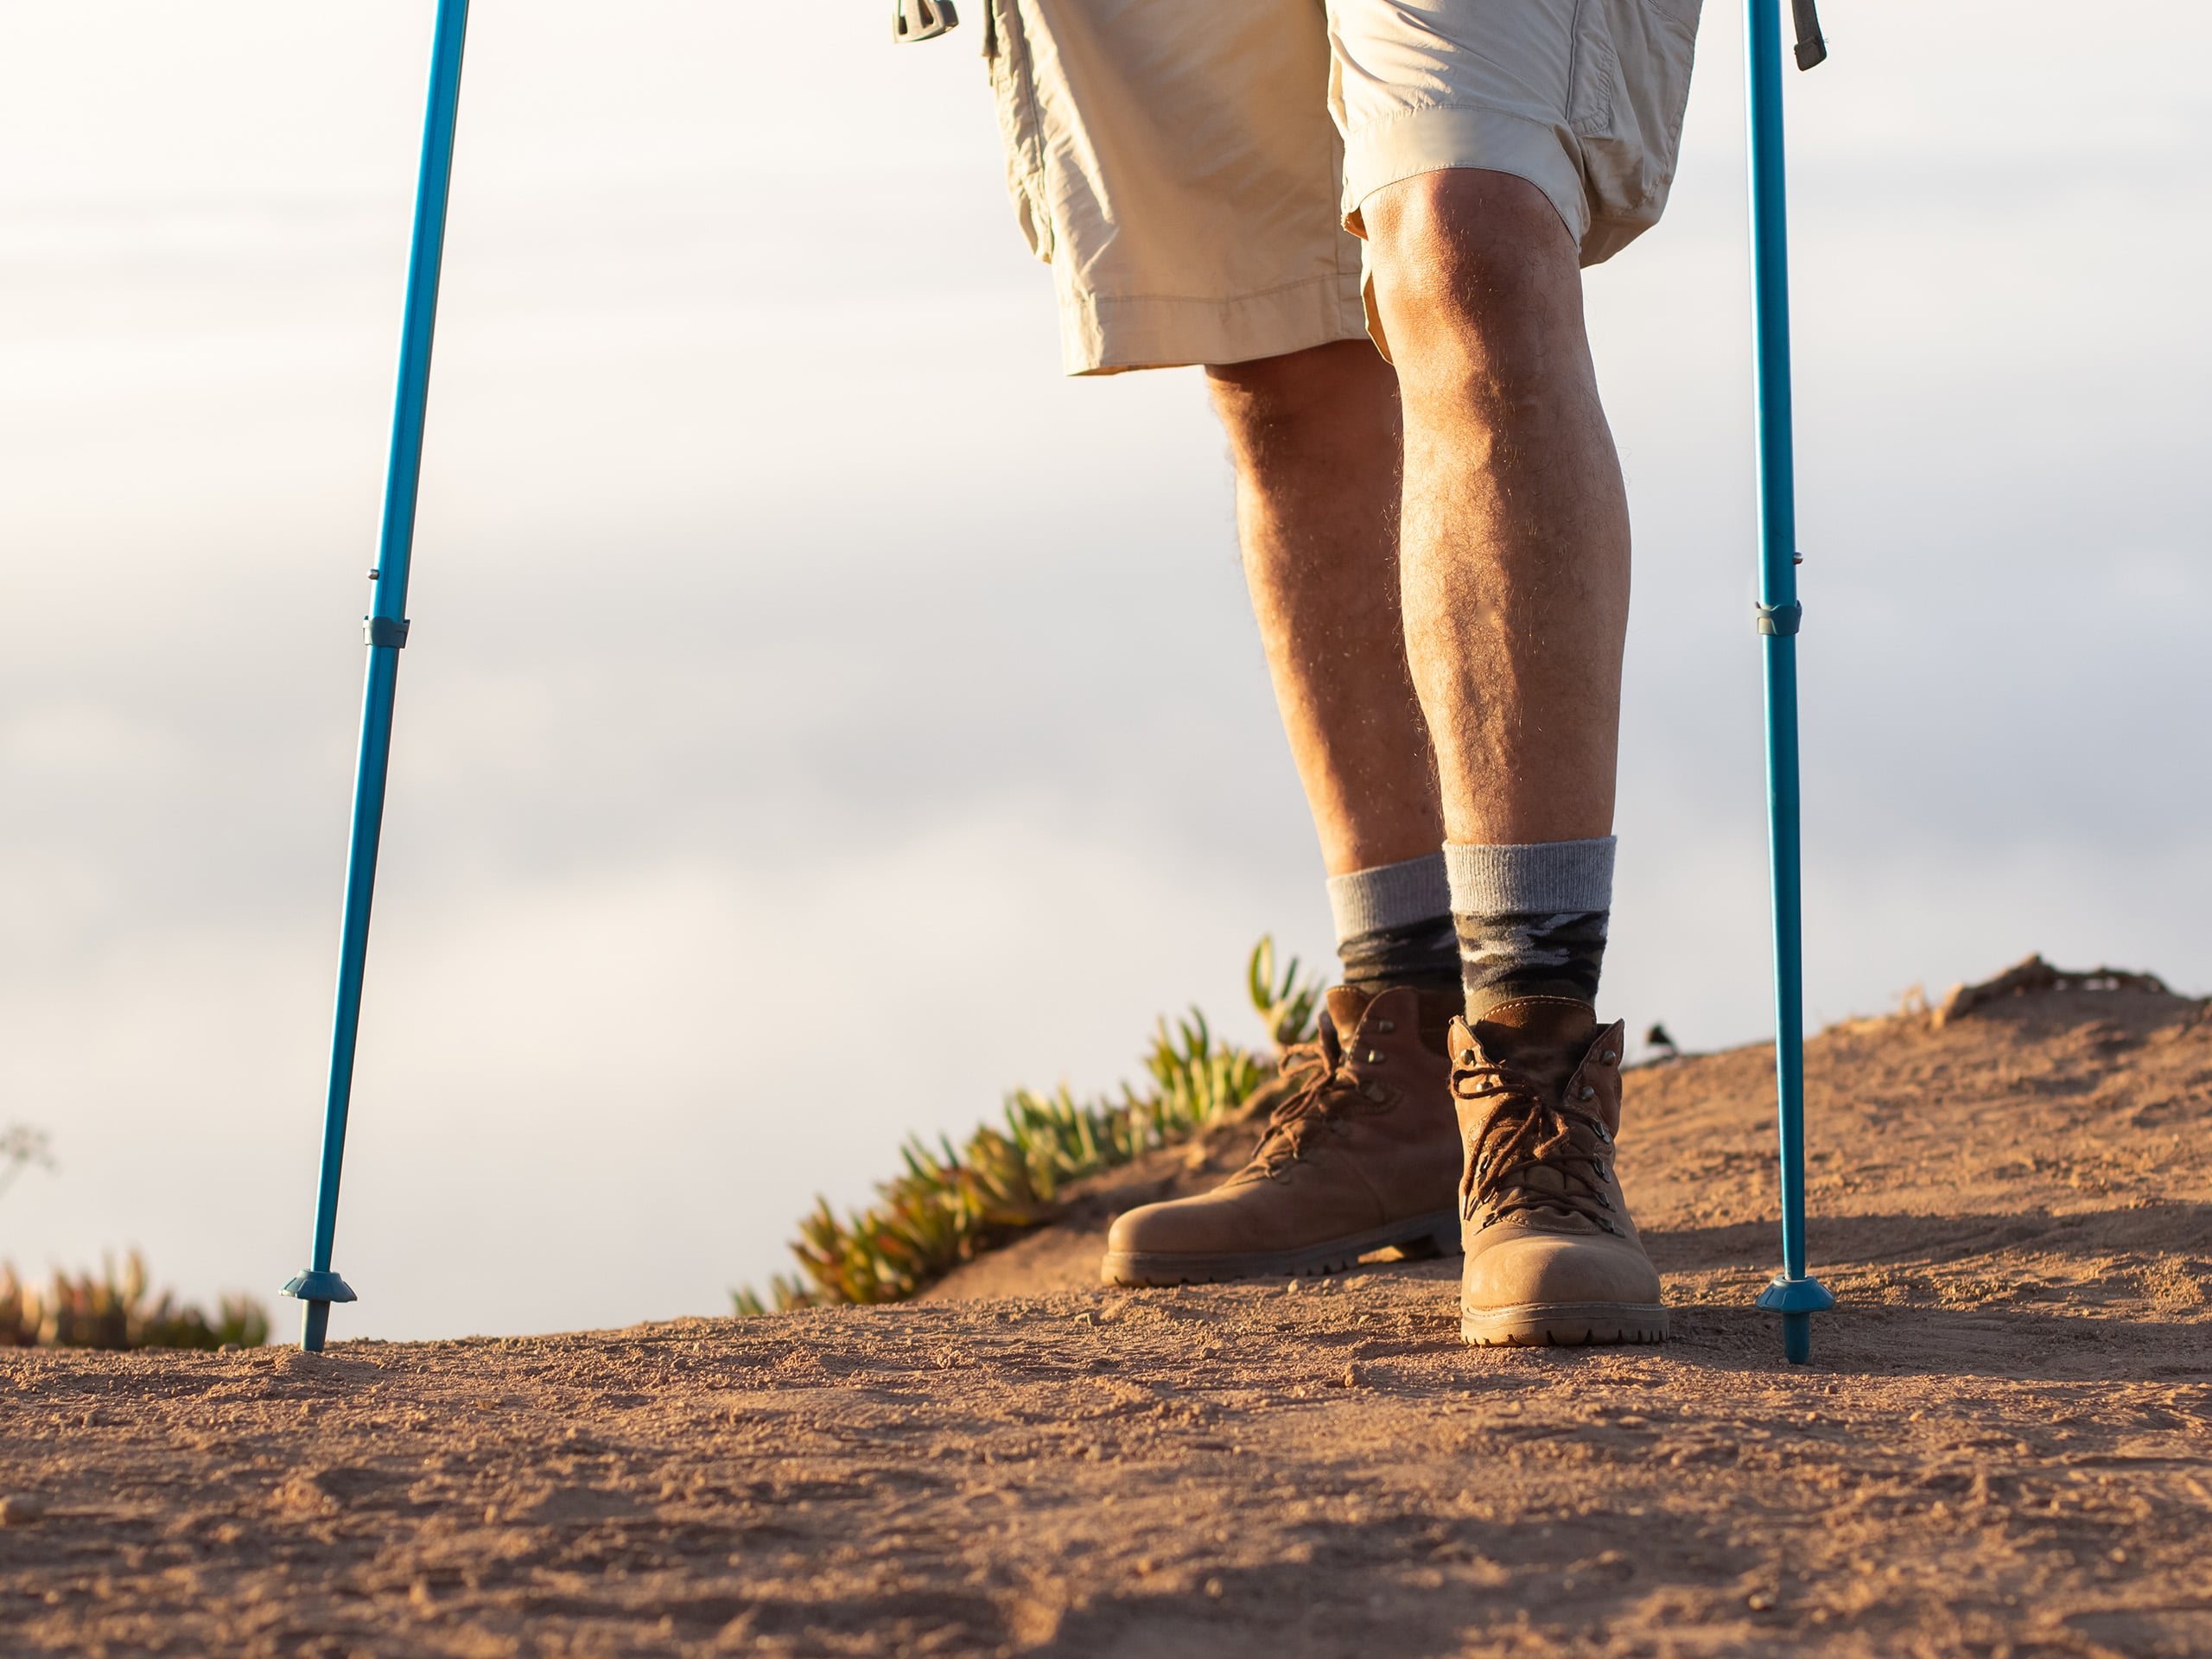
[1394, 927]
[1531, 921]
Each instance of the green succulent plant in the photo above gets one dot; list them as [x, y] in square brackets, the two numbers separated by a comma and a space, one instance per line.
[952, 1205]
[117, 1310]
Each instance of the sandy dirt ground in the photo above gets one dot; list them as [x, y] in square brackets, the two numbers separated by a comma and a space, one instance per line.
[2003, 1446]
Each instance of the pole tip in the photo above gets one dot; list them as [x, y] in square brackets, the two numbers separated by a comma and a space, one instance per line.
[1797, 1340]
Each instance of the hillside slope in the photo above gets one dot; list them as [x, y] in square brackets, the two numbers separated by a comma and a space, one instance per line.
[2003, 1448]
[2040, 1145]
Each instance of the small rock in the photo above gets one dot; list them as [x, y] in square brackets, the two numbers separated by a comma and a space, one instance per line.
[1760, 1602]
[21, 1508]
[1213, 1588]
[305, 1495]
[1350, 1378]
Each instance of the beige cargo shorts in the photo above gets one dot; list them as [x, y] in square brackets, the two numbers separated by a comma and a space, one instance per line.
[1192, 170]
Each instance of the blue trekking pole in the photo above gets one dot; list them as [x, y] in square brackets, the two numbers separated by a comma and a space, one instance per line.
[387, 631]
[1795, 1294]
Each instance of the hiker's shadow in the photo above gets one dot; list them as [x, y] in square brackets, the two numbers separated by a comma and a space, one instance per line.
[1415, 1586]
[2097, 1293]
[1881, 1239]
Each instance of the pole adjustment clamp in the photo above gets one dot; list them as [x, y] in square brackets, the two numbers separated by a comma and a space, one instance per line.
[384, 630]
[1781, 619]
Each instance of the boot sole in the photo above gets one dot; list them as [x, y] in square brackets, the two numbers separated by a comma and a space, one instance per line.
[1566, 1325]
[1431, 1234]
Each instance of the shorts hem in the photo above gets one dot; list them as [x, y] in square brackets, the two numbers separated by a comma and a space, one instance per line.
[1436, 138]
[1113, 334]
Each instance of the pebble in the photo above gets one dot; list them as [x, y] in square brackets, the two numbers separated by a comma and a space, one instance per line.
[21, 1508]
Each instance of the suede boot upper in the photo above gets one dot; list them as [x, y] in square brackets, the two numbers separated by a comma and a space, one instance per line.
[1552, 1255]
[1361, 1156]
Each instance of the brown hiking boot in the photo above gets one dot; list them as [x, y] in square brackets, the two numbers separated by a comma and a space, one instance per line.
[1359, 1157]
[1552, 1255]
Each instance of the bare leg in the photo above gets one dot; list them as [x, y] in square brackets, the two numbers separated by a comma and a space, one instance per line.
[1315, 437]
[1514, 548]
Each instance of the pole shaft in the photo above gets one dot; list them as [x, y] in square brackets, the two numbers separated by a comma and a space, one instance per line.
[369, 776]
[395, 549]
[403, 476]
[1778, 590]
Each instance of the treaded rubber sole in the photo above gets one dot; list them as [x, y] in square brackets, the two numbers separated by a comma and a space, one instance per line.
[1436, 1233]
[1565, 1325]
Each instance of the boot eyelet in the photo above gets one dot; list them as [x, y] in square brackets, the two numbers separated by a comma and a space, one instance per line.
[1588, 1092]
[1375, 1057]
[1607, 1057]
[1386, 1027]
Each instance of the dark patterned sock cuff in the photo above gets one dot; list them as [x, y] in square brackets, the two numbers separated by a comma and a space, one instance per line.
[1509, 954]
[1424, 955]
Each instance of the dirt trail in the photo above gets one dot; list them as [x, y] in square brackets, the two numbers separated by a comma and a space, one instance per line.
[2003, 1448]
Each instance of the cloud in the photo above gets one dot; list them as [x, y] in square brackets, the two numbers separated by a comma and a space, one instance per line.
[820, 716]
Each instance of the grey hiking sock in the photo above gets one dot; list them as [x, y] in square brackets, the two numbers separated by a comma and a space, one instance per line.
[1531, 919]
[1394, 926]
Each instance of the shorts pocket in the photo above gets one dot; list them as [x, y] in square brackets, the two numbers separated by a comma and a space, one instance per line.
[1631, 85]
[1014, 84]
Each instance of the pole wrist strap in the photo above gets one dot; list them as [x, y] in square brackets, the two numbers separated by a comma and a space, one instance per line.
[1811, 48]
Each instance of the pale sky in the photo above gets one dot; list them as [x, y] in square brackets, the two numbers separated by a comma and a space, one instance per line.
[820, 716]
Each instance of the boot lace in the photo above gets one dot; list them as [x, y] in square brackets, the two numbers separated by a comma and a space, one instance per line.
[1323, 1091]
[1525, 1131]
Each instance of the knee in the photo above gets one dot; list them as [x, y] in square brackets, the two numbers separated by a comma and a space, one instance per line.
[1471, 265]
